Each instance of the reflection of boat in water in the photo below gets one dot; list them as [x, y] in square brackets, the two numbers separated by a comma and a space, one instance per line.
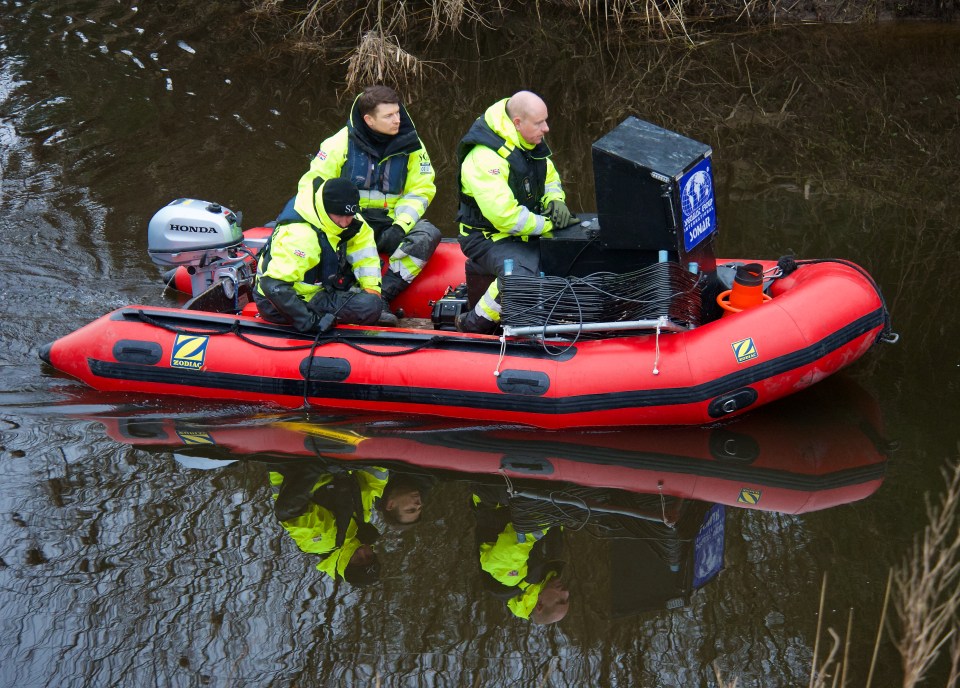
[658, 498]
[817, 451]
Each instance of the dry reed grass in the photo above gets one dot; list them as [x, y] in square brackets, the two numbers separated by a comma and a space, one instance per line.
[389, 34]
[925, 592]
[926, 599]
[663, 17]
[324, 27]
[380, 59]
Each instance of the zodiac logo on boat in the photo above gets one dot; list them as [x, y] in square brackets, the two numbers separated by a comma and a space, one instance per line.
[188, 351]
[202, 438]
[745, 350]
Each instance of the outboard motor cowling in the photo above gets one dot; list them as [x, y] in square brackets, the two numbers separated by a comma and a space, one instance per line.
[192, 232]
[205, 240]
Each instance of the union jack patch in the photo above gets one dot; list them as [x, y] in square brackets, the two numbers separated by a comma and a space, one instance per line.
[298, 253]
[322, 154]
[495, 171]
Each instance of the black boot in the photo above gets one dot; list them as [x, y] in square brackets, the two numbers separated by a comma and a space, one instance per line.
[471, 322]
[392, 285]
[387, 318]
[390, 288]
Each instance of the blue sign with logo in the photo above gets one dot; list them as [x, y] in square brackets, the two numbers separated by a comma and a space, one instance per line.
[708, 547]
[698, 208]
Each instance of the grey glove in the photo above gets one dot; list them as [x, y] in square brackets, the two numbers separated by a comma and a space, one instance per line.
[560, 214]
[390, 239]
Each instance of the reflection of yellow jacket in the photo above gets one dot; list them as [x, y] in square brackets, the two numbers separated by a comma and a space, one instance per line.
[294, 250]
[315, 531]
[485, 177]
[506, 561]
[408, 204]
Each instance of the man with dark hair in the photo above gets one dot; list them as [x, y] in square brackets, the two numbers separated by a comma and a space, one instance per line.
[510, 196]
[380, 152]
[320, 264]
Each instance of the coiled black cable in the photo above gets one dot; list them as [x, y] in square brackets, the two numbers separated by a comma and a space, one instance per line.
[657, 290]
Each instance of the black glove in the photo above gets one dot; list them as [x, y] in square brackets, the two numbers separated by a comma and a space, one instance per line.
[378, 218]
[367, 533]
[560, 214]
[325, 322]
[390, 239]
[322, 320]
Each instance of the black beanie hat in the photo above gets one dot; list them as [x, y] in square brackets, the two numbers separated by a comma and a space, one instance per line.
[362, 574]
[340, 197]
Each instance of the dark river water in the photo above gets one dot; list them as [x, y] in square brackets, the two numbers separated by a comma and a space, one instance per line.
[139, 542]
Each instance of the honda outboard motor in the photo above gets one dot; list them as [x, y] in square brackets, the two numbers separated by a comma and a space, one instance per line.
[203, 238]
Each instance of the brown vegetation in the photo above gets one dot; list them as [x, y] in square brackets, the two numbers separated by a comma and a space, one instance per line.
[385, 41]
[926, 593]
[926, 600]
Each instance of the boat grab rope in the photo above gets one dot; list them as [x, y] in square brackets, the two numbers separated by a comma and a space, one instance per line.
[788, 264]
[503, 352]
[233, 329]
[656, 358]
[336, 338]
[342, 340]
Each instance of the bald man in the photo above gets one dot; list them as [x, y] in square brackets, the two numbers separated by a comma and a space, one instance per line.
[510, 196]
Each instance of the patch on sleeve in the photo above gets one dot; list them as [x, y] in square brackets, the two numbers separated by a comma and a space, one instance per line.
[299, 253]
[321, 154]
[495, 171]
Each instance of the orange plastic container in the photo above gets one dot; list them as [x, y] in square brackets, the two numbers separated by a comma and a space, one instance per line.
[747, 290]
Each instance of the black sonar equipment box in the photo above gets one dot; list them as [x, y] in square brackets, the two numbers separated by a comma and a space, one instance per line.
[655, 192]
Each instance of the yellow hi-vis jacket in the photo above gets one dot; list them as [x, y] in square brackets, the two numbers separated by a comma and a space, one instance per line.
[315, 531]
[402, 182]
[294, 250]
[506, 562]
[485, 177]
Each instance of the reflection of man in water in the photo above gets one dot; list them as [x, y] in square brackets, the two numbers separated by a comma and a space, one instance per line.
[401, 503]
[519, 562]
[327, 509]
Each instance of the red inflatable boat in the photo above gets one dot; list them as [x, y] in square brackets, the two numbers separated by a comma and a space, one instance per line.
[622, 328]
[818, 319]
